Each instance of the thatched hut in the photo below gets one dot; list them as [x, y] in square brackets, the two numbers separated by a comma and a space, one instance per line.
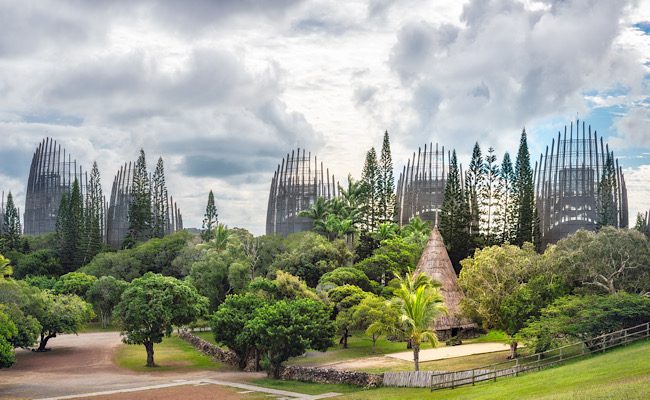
[435, 263]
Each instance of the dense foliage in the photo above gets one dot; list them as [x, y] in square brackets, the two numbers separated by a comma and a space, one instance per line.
[152, 305]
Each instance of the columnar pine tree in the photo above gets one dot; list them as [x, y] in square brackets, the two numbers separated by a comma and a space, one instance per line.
[210, 219]
[642, 224]
[94, 216]
[11, 228]
[159, 208]
[607, 208]
[524, 194]
[140, 206]
[455, 216]
[386, 183]
[370, 179]
[505, 213]
[491, 197]
[71, 229]
[473, 183]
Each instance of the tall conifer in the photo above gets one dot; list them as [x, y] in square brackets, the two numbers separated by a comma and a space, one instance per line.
[71, 229]
[94, 216]
[140, 206]
[11, 229]
[607, 189]
[160, 211]
[370, 179]
[473, 182]
[490, 196]
[506, 211]
[455, 216]
[210, 219]
[386, 183]
[524, 194]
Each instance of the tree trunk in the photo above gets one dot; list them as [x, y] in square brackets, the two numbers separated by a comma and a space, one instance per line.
[43, 342]
[275, 371]
[513, 350]
[344, 338]
[374, 343]
[416, 356]
[149, 347]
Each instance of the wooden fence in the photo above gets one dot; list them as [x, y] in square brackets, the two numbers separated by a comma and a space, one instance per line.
[538, 361]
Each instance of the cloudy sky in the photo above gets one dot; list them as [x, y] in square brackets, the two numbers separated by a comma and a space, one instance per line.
[223, 89]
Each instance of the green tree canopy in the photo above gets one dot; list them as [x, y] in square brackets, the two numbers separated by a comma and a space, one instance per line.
[104, 294]
[228, 324]
[60, 313]
[345, 276]
[288, 328]
[152, 305]
[584, 318]
[375, 315]
[309, 256]
[7, 332]
[74, 283]
[489, 278]
[606, 261]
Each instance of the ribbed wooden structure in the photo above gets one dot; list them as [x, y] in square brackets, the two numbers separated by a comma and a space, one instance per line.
[566, 183]
[298, 181]
[435, 264]
[51, 174]
[117, 221]
[421, 185]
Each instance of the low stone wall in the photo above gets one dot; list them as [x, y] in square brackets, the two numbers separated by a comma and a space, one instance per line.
[216, 352]
[325, 375]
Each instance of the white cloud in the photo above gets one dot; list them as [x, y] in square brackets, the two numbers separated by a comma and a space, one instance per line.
[222, 90]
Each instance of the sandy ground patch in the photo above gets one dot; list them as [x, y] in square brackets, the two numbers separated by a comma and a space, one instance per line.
[451, 351]
[84, 364]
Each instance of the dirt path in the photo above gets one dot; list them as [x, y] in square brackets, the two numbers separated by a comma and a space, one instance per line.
[442, 353]
[84, 364]
[399, 359]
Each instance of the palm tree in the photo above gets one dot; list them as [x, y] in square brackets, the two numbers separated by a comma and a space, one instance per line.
[387, 230]
[5, 268]
[417, 226]
[419, 303]
[317, 211]
[219, 242]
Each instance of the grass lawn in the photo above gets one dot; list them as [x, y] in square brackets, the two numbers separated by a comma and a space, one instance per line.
[359, 346]
[205, 335]
[619, 374]
[450, 364]
[173, 354]
[92, 327]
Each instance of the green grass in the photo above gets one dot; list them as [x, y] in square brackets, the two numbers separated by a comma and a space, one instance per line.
[359, 346]
[92, 327]
[173, 354]
[205, 335]
[620, 374]
[490, 337]
[449, 364]
[304, 387]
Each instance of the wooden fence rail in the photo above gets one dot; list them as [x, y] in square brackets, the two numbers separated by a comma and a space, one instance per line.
[537, 361]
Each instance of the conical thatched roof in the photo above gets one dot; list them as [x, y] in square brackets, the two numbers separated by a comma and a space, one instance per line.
[435, 263]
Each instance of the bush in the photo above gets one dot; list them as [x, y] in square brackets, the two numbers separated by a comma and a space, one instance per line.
[584, 318]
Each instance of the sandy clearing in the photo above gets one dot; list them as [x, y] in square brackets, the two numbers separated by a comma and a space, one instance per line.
[84, 364]
[441, 353]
